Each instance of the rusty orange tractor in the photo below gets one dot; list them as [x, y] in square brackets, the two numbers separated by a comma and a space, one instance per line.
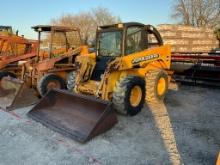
[57, 48]
[56, 57]
[14, 48]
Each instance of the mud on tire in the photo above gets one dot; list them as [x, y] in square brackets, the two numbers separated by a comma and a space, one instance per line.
[5, 74]
[152, 80]
[122, 94]
[71, 80]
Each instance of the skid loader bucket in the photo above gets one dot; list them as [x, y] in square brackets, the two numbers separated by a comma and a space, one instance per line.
[15, 94]
[76, 116]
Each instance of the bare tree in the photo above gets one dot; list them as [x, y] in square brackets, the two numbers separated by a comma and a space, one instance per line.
[197, 12]
[87, 21]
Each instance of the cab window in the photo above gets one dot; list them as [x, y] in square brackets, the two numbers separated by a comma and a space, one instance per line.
[109, 43]
[152, 40]
[134, 40]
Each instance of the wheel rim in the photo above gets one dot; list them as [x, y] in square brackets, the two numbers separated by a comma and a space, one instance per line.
[161, 86]
[53, 85]
[135, 96]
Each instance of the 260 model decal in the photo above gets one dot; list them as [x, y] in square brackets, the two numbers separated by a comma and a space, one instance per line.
[145, 58]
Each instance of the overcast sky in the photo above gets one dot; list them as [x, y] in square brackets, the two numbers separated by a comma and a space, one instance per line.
[22, 14]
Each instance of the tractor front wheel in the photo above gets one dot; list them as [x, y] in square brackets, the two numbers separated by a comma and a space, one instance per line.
[129, 95]
[6, 74]
[50, 81]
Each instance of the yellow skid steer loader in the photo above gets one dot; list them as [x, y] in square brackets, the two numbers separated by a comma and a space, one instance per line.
[130, 64]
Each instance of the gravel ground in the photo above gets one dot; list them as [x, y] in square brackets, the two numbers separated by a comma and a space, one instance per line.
[183, 130]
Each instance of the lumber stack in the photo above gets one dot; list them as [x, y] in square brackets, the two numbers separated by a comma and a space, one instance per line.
[187, 38]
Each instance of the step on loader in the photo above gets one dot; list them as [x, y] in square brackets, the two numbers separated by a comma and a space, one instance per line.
[57, 48]
[130, 65]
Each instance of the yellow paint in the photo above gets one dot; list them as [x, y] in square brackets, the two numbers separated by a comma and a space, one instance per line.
[218, 159]
[134, 64]
[161, 86]
[136, 95]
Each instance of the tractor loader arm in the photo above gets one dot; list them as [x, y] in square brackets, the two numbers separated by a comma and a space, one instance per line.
[47, 64]
[85, 66]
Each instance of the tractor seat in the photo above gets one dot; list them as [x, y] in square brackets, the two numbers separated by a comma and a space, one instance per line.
[101, 65]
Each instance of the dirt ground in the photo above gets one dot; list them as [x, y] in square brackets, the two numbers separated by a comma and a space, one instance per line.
[183, 130]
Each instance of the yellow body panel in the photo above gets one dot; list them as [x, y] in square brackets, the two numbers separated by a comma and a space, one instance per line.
[134, 64]
[157, 57]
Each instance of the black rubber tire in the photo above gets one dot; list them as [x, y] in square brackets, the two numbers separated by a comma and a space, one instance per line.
[121, 95]
[6, 74]
[46, 79]
[152, 79]
[71, 80]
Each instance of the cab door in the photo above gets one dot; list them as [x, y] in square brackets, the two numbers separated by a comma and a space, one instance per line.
[135, 40]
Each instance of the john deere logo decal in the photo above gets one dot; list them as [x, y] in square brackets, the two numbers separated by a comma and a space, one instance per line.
[145, 58]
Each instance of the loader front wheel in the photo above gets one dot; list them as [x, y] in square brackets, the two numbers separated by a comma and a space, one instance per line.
[129, 95]
[6, 74]
[156, 85]
[71, 80]
[50, 81]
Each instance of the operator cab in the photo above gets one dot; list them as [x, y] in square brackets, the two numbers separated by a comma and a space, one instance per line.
[122, 39]
[56, 40]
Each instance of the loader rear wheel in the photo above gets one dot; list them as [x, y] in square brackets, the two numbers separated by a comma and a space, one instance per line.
[50, 81]
[71, 80]
[6, 74]
[156, 85]
[129, 95]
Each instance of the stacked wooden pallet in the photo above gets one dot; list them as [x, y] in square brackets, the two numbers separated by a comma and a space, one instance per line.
[187, 38]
